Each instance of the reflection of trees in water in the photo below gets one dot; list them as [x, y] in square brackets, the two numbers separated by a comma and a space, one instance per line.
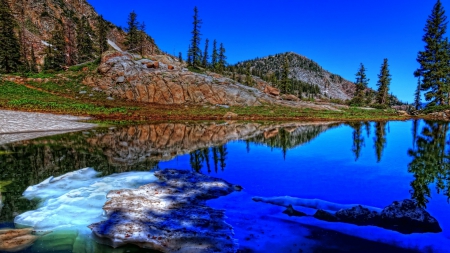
[358, 138]
[430, 162]
[201, 156]
[30, 162]
[286, 138]
[380, 139]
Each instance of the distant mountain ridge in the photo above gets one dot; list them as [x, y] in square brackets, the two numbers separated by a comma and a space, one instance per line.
[302, 69]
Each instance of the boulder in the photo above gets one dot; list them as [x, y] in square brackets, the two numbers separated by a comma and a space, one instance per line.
[292, 212]
[271, 90]
[406, 217]
[169, 215]
[325, 216]
[358, 215]
[156, 65]
[290, 97]
[170, 67]
[16, 239]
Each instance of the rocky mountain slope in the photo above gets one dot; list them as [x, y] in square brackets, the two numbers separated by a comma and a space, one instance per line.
[304, 70]
[162, 79]
[37, 19]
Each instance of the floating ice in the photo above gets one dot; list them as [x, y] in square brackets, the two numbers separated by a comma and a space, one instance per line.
[75, 200]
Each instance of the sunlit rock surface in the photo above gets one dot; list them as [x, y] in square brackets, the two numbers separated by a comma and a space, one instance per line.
[12, 240]
[169, 215]
[74, 200]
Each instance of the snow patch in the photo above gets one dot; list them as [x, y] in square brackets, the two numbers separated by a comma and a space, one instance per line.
[114, 45]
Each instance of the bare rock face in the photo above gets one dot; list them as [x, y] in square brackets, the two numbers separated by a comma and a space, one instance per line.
[154, 81]
[169, 216]
[406, 217]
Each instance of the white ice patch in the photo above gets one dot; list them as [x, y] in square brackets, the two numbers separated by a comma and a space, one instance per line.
[75, 200]
[114, 45]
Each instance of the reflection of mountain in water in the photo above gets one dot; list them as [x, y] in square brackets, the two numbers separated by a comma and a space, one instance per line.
[290, 136]
[131, 148]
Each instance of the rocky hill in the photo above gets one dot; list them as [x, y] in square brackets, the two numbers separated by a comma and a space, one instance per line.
[37, 19]
[306, 72]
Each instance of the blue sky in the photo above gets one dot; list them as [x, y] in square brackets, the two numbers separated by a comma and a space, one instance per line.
[336, 34]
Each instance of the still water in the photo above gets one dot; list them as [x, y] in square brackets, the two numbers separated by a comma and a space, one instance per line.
[368, 163]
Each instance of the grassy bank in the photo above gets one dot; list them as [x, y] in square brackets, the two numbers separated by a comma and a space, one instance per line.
[65, 94]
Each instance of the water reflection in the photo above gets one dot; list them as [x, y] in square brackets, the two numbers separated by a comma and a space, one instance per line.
[430, 164]
[380, 139]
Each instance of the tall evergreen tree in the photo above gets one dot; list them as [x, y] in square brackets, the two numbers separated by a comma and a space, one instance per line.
[417, 95]
[361, 85]
[180, 57]
[195, 52]
[56, 55]
[102, 35]
[215, 55]
[84, 42]
[132, 38]
[205, 59]
[9, 44]
[222, 58]
[433, 65]
[384, 80]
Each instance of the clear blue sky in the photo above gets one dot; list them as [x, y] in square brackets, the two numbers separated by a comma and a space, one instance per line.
[336, 34]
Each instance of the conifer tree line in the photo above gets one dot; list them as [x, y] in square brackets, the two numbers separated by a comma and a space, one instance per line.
[198, 59]
[434, 72]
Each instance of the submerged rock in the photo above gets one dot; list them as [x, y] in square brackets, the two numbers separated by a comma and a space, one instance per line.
[406, 217]
[169, 215]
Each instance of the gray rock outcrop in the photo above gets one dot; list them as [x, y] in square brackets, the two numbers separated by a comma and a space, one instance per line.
[170, 215]
[152, 81]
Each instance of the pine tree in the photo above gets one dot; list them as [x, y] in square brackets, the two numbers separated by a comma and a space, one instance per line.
[194, 51]
[132, 38]
[142, 38]
[84, 42]
[180, 57]
[102, 35]
[56, 55]
[434, 66]
[361, 86]
[9, 44]
[417, 95]
[285, 82]
[205, 54]
[222, 58]
[384, 80]
[248, 76]
[215, 55]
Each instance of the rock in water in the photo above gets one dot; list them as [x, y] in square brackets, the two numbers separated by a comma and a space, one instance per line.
[169, 216]
[16, 239]
[358, 215]
[406, 217]
[292, 212]
[325, 216]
